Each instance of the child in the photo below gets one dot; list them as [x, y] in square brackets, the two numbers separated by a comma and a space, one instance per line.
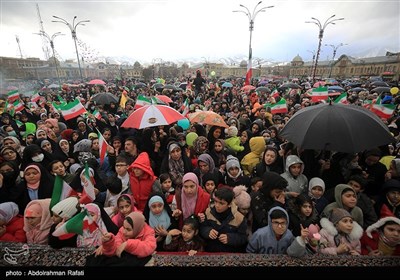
[224, 228]
[133, 245]
[232, 141]
[341, 234]
[168, 190]
[301, 213]
[316, 190]
[275, 238]
[110, 197]
[37, 221]
[62, 212]
[187, 240]
[11, 223]
[297, 181]
[256, 184]
[382, 238]
[90, 237]
[234, 174]
[159, 215]
[210, 185]
[125, 206]
[242, 201]
[121, 168]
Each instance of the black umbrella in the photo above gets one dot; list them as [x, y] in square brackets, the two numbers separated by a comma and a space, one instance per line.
[103, 98]
[336, 127]
[381, 89]
[379, 84]
[358, 89]
[290, 85]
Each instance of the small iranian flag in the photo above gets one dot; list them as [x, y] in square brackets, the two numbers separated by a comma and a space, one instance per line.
[279, 107]
[102, 146]
[318, 94]
[96, 114]
[185, 107]
[87, 181]
[342, 99]
[77, 224]
[18, 105]
[275, 93]
[72, 110]
[61, 191]
[13, 95]
[142, 101]
[382, 110]
[35, 97]
[9, 108]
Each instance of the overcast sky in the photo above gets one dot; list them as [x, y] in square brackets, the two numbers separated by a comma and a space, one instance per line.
[202, 30]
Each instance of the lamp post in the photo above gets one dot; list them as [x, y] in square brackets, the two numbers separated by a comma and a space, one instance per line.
[335, 48]
[321, 27]
[73, 27]
[51, 41]
[313, 59]
[251, 17]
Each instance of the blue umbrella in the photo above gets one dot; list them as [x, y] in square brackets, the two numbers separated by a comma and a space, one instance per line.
[335, 89]
[227, 84]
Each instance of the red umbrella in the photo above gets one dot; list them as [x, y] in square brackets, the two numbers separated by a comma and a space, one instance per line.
[152, 115]
[164, 98]
[97, 82]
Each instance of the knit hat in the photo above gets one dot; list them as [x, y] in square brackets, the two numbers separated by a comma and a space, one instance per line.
[66, 208]
[242, 197]
[53, 122]
[314, 182]
[8, 210]
[232, 131]
[85, 145]
[33, 211]
[232, 161]
[337, 214]
[74, 167]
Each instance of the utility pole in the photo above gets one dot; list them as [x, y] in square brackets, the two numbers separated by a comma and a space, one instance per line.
[19, 46]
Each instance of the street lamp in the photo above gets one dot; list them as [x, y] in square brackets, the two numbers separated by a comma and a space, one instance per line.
[251, 17]
[51, 41]
[321, 27]
[73, 27]
[313, 59]
[335, 48]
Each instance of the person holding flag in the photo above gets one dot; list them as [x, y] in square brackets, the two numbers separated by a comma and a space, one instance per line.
[133, 245]
[93, 228]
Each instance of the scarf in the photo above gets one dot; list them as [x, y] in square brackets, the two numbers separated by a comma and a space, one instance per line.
[176, 170]
[188, 204]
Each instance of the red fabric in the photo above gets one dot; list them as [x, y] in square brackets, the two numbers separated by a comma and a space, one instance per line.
[141, 187]
[15, 230]
[202, 202]
[371, 244]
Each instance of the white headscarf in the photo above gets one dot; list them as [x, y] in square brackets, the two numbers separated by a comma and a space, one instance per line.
[8, 210]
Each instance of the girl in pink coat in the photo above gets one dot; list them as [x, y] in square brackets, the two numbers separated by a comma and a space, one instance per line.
[133, 245]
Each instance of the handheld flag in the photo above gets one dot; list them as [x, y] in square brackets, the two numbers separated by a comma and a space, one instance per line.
[318, 94]
[87, 181]
[72, 110]
[61, 191]
[76, 224]
[382, 110]
[102, 146]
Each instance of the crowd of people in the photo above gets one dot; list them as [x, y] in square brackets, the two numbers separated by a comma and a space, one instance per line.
[194, 189]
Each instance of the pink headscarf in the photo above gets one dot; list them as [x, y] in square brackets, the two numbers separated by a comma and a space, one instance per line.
[36, 185]
[189, 203]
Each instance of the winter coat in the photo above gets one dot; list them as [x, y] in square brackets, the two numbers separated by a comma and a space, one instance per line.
[14, 230]
[142, 246]
[257, 147]
[297, 184]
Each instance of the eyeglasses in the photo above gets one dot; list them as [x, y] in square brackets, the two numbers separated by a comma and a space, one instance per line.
[278, 224]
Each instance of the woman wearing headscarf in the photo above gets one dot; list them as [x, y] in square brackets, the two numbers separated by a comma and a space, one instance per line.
[176, 164]
[11, 155]
[205, 164]
[11, 141]
[9, 178]
[37, 184]
[191, 200]
[11, 223]
[34, 154]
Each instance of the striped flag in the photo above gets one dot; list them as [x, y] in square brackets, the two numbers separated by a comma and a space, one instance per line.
[35, 97]
[96, 114]
[275, 93]
[9, 108]
[87, 181]
[102, 146]
[185, 107]
[61, 191]
[13, 95]
[142, 101]
[76, 224]
[382, 110]
[18, 105]
[72, 110]
[341, 99]
[279, 107]
[318, 94]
